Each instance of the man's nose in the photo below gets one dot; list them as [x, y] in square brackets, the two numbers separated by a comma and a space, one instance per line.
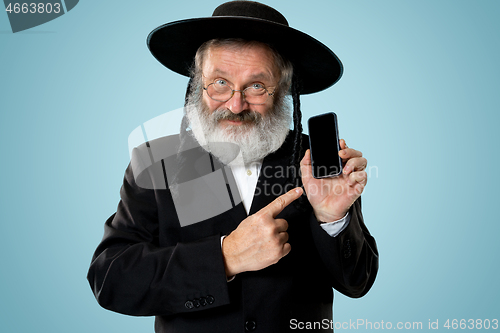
[237, 103]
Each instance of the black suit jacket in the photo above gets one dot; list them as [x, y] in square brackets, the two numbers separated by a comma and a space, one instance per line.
[152, 263]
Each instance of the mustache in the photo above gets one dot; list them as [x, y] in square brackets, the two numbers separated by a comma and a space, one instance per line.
[246, 116]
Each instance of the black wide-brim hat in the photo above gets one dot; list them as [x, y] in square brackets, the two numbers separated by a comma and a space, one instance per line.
[175, 44]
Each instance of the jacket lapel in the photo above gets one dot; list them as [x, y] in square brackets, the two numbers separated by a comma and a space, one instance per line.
[275, 172]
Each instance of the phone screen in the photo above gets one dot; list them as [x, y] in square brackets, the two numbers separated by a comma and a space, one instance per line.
[324, 144]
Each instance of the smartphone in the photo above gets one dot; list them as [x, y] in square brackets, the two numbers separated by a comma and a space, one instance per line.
[324, 145]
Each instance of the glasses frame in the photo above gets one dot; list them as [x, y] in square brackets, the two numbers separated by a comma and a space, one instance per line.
[242, 94]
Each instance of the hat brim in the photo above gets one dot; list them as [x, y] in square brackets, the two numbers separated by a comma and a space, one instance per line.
[175, 44]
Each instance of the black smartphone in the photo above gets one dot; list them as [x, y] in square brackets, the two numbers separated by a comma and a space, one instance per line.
[324, 145]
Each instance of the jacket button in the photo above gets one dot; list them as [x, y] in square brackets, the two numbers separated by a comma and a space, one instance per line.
[210, 299]
[189, 305]
[250, 325]
[196, 303]
[203, 301]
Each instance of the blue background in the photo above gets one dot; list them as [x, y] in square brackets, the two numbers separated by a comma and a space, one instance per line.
[419, 97]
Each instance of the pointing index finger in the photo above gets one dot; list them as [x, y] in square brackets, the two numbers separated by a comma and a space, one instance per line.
[275, 207]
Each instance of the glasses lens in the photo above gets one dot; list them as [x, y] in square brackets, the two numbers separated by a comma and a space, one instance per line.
[219, 91]
[256, 94]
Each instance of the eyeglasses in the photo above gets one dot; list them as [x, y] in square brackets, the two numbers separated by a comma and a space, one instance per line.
[256, 94]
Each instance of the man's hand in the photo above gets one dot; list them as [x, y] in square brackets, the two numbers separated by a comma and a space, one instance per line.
[331, 198]
[260, 240]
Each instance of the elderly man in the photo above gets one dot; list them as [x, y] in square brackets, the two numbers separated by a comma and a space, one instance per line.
[212, 232]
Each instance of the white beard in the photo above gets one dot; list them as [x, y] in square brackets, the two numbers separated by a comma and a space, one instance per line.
[256, 138]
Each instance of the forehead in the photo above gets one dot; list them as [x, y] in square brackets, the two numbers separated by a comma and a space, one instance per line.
[253, 61]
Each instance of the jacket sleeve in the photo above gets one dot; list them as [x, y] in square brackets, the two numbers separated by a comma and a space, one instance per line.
[131, 274]
[351, 257]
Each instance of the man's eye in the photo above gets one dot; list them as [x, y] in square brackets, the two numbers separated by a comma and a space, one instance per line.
[257, 86]
[220, 82]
